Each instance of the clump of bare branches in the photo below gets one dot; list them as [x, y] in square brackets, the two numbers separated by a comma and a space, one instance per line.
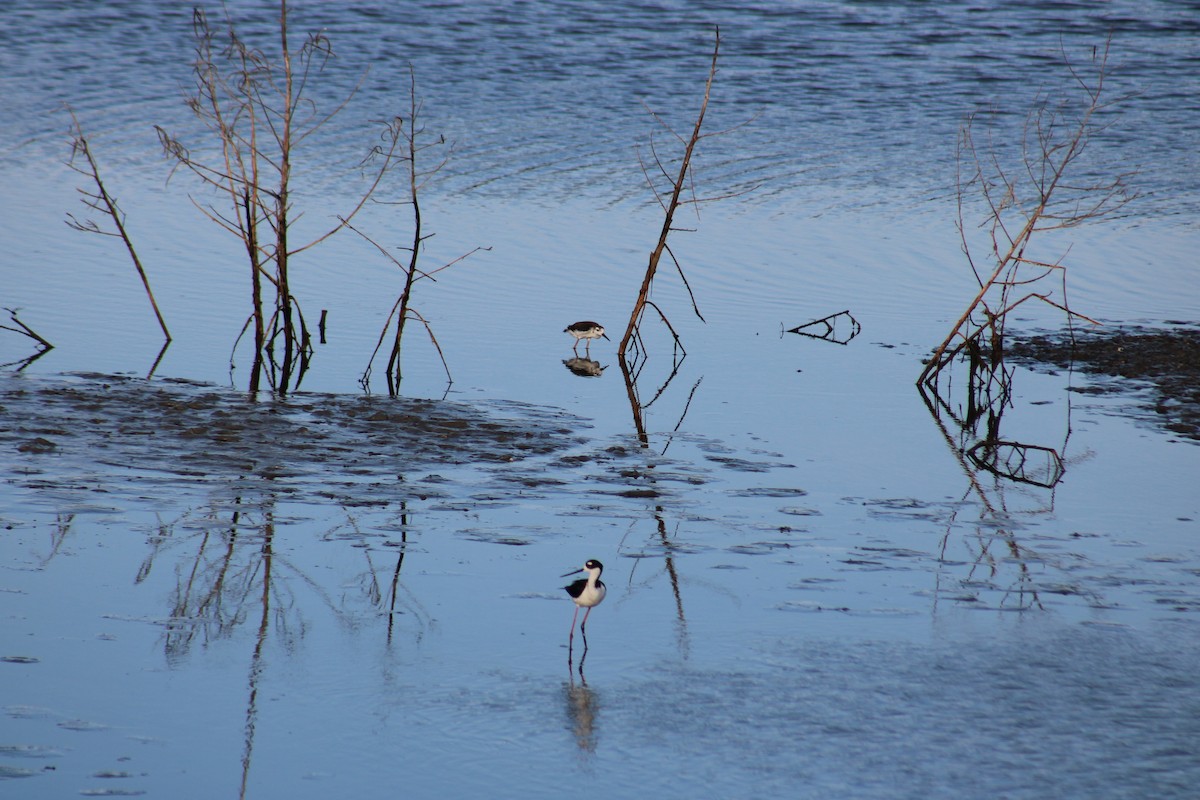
[403, 309]
[256, 107]
[1045, 191]
[99, 199]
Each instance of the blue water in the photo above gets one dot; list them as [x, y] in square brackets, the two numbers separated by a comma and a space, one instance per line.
[548, 100]
[810, 593]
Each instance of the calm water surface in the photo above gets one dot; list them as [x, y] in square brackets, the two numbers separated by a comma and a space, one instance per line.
[811, 593]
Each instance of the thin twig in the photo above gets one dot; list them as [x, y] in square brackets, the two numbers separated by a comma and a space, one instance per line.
[677, 186]
[102, 201]
[25, 330]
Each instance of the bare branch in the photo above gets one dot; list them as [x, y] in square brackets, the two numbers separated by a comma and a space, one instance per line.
[24, 329]
[1039, 196]
[100, 200]
[677, 186]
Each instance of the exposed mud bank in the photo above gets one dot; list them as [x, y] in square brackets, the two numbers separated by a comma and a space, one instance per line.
[1166, 362]
[119, 434]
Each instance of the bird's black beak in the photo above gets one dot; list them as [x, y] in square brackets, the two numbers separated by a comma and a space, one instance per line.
[605, 335]
[574, 572]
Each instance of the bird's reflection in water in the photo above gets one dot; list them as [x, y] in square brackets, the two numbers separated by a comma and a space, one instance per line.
[584, 367]
[582, 705]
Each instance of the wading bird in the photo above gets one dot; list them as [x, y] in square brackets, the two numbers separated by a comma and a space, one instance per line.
[587, 593]
[585, 330]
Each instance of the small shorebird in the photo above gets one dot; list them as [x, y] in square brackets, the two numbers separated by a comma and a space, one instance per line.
[587, 593]
[585, 330]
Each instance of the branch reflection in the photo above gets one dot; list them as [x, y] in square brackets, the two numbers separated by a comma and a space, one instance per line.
[228, 576]
[631, 373]
[969, 411]
[397, 601]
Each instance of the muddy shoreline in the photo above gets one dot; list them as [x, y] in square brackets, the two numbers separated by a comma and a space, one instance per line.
[1163, 364]
[116, 435]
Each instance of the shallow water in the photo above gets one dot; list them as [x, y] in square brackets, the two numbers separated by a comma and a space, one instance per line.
[812, 592]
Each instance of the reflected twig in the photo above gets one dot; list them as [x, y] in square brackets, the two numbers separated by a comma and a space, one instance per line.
[686, 406]
[636, 406]
[62, 529]
[388, 601]
[1010, 463]
[158, 359]
[637, 410]
[1019, 462]
[825, 328]
[256, 660]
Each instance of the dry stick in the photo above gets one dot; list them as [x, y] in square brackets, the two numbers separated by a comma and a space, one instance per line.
[667, 322]
[239, 179]
[25, 330]
[676, 190]
[416, 180]
[393, 370]
[412, 311]
[102, 201]
[280, 222]
[399, 300]
[250, 237]
[395, 306]
[686, 285]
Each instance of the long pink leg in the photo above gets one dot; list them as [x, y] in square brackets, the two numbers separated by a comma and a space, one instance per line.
[571, 638]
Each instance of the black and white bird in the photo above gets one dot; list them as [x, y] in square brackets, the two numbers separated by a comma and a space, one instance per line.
[585, 330]
[587, 593]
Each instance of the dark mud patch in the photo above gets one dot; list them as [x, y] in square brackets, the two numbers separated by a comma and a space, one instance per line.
[1166, 362]
[102, 434]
